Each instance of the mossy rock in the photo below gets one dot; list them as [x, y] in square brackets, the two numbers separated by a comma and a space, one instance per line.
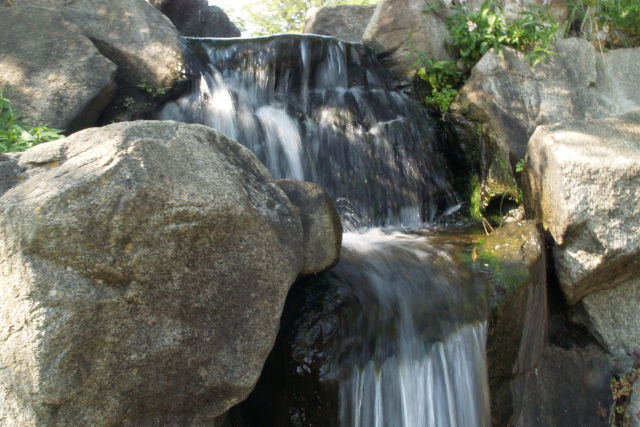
[513, 259]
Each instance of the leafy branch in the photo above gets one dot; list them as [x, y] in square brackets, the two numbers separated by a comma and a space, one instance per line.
[16, 134]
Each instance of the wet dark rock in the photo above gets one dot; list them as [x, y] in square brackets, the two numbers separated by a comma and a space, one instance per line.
[513, 257]
[298, 386]
[570, 384]
[334, 322]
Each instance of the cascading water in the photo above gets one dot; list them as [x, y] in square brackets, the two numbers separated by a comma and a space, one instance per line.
[410, 349]
[415, 349]
[321, 110]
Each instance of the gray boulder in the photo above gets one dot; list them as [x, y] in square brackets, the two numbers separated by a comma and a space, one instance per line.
[398, 28]
[320, 224]
[581, 181]
[195, 18]
[52, 73]
[613, 317]
[137, 37]
[568, 387]
[144, 270]
[505, 99]
[346, 22]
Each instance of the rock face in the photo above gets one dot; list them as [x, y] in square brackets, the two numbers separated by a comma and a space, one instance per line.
[581, 181]
[140, 40]
[52, 73]
[634, 405]
[195, 18]
[320, 224]
[505, 98]
[514, 258]
[144, 269]
[567, 388]
[398, 27]
[612, 316]
[346, 22]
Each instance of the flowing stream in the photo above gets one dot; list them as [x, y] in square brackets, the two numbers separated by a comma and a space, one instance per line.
[319, 109]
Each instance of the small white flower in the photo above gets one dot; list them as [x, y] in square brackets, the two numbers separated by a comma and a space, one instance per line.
[471, 25]
[546, 2]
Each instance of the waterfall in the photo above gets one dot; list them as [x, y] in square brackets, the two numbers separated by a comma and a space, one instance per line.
[322, 110]
[416, 348]
[411, 347]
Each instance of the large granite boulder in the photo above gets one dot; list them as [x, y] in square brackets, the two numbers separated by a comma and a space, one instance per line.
[581, 181]
[513, 257]
[398, 28]
[137, 37]
[505, 99]
[346, 22]
[321, 225]
[51, 72]
[144, 269]
[195, 18]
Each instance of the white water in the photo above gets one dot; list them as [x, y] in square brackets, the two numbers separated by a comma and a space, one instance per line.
[320, 110]
[430, 370]
[445, 387]
[415, 352]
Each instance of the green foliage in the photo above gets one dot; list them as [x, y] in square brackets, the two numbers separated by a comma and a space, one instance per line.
[438, 73]
[16, 134]
[444, 78]
[520, 165]
[621, 389]
[285, 16]
[475, 203]
[511, 182]
[472, 34]
[620, 15]
[620, 19]
[442, 98]
[150, 90]
[508, 275]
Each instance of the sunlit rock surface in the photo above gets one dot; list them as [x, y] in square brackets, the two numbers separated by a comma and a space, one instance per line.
[196, 18]
[50, 71]
[346, 22]
[505, 99]
[398, 28]
[581, 181]
[144, 269]
[137, 37]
